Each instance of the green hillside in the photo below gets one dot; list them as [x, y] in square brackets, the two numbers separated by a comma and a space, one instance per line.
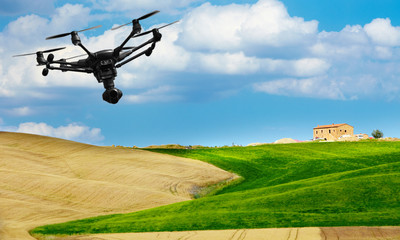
[289, 185]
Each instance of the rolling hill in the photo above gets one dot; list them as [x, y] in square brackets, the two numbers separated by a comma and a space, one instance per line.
[290, 185]
[46, 180]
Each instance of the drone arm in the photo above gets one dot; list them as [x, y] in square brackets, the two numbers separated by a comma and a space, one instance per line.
[85, 49]
[72, 64]
[118, 49]
[147, 52]
[124, 55]
[71, 69]
[136, 28]
[156, 38]
[130, 59]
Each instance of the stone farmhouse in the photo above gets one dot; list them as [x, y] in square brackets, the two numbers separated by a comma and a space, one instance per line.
[333, 132]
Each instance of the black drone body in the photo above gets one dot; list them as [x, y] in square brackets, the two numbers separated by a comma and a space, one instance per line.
[103, 64]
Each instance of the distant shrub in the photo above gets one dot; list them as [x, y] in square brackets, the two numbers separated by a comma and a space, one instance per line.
[377, 134]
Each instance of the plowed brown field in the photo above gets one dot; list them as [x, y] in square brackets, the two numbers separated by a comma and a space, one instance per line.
[313, 233]
[46, 180]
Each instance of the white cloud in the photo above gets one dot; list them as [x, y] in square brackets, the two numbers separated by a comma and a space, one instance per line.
[211, 27]
[28, 33]
[383, 33]
[73, 131]
[310, 67]
[351, 42]
[159, 94]
[20, 77]
[13, 7]
[268, 23]
[149, 5]
[21, 111]
[227, 63]
[221, 28]
[260, 40]
[238, 27]
[318, 87]
[65, 18]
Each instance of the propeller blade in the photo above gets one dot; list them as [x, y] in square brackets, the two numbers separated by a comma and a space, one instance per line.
[148, 15]
[87, 29]
[149, 31]
[58, 36]
[127, 48]
[82, 55]
[138, 19]
[53, 50]
[45, 51]
[66, 34]
[143, 33]
[26, 54]
[115, 28]
[168, 24]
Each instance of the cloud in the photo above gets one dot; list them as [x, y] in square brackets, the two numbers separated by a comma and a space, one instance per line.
[221, 48]
[20, 77]
[20, 111]
[227, 63]
[244, 27]
[268, 23]
[383, 33]
[29, 32]
[73, 131]
[15, 7]
[222, 43]
[170, 6]
[159, 94]
[318, 87]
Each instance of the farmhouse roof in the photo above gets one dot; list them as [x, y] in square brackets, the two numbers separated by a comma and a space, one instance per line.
[331, 126]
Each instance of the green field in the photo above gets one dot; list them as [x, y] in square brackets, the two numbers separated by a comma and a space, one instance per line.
[288, 185]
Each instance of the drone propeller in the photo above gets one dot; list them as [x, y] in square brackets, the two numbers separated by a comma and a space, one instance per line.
[82, 55]
[149, 31]
[66, 34]
[45, 51]
[141, 18]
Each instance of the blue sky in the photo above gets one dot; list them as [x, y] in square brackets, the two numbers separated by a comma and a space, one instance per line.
[229, 72]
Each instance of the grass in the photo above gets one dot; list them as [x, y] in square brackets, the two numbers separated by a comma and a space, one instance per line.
[288, 185]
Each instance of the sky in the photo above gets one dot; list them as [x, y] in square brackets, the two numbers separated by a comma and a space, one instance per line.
[230, 72]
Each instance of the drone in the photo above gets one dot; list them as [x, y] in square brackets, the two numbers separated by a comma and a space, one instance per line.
[103, 64]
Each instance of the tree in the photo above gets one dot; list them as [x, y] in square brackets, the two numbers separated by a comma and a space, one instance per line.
[377, 133]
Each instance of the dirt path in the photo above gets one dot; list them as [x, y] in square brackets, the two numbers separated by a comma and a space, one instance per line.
[335, 233]
[45, 180]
